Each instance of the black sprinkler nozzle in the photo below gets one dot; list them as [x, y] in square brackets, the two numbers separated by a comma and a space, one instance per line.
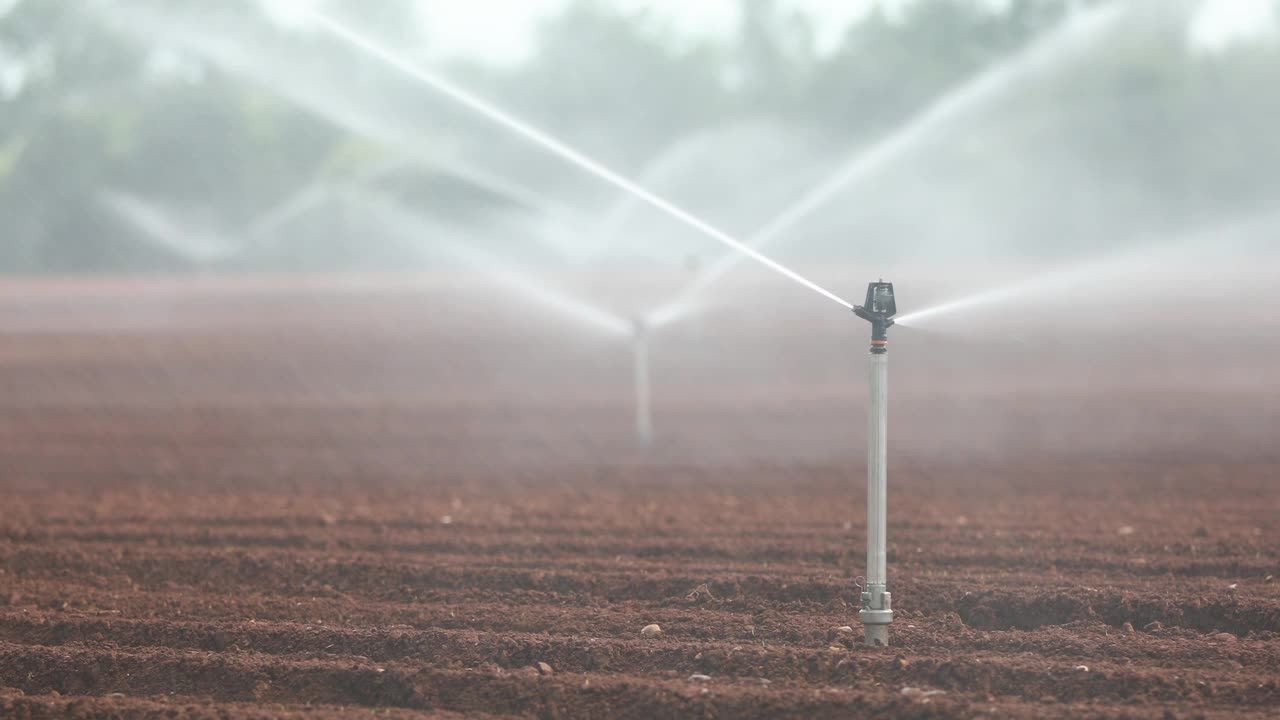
[879, 310]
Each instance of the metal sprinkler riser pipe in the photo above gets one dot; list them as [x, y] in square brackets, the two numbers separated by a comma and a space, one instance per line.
[877, 602]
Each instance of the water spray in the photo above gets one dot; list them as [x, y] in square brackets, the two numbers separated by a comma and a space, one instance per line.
[877, 605]
[555, 146]
[925, 127]
[551, 144]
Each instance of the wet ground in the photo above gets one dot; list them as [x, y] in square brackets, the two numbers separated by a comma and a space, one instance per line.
[249, 499]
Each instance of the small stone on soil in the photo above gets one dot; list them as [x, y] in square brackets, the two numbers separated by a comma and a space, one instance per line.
[544, 669]
[1125, 530]
[1127, 627]
[651, 630]
[1082, 668]
[699, 678]
[921, 692]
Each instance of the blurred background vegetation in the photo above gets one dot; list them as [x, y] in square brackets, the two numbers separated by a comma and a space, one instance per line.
[151, 136]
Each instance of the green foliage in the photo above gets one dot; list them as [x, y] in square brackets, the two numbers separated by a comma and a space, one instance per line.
[889, 67]
[612, 81]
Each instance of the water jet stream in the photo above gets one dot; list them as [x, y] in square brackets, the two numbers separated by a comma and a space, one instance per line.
[706, 170]
[161, 229]
[415, 227]
[934, 118]
[165, 229]
[553, 145]
[1254, 228]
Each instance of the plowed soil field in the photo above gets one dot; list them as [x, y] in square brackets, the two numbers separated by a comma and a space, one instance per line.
[370, 497]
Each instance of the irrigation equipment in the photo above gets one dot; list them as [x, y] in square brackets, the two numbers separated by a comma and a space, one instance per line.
[547, 142]
[877, 605]
[640, 363]
[572, 156]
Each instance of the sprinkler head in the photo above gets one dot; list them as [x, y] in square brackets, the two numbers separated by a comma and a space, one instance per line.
[879, 310]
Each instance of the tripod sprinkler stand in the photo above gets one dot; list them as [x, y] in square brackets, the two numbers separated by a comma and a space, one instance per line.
[877, 606]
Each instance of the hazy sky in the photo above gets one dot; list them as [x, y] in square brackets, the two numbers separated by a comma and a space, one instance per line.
[1221, 22]
[501, 31]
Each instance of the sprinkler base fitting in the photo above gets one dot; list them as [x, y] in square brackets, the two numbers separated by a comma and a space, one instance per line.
[876, 614]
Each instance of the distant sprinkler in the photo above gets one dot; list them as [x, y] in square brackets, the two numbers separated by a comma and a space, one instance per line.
[877, 606]
[644, 417]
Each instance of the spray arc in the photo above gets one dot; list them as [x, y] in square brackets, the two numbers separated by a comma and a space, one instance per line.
[877, 602]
